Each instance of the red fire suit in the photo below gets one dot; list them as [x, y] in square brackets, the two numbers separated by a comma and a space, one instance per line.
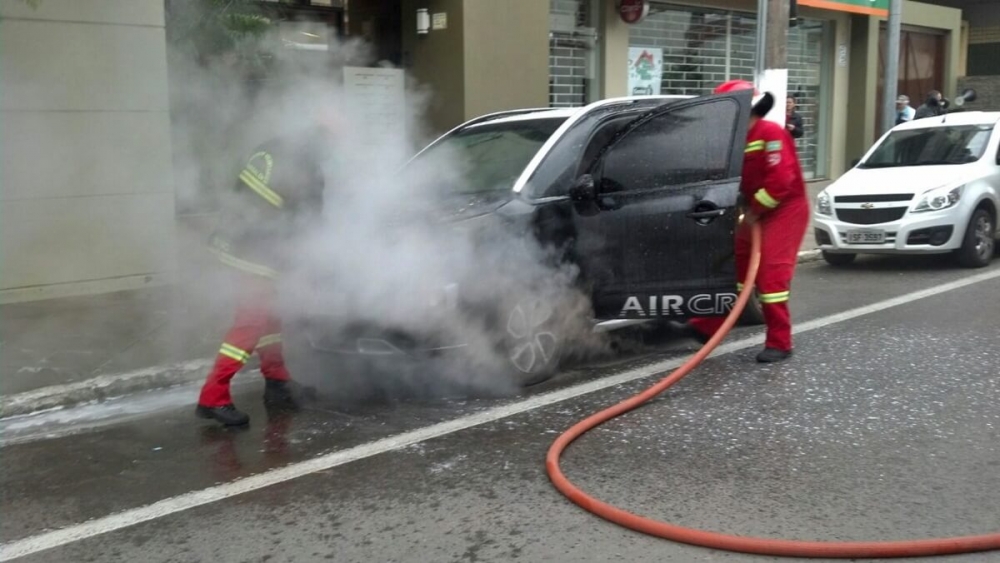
[773, 185]
[278, 192]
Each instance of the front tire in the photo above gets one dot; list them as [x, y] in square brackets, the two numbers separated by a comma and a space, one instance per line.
[838, 260]
[532, 343]
[753, 313]
[978, 244]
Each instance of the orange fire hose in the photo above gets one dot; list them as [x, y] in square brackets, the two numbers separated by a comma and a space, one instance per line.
[715, 540]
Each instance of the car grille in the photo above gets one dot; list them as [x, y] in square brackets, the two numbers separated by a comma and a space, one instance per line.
[871, 198]
[871, 216]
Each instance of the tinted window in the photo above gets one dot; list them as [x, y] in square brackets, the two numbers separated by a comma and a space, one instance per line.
[938, 145]
[683, 146]
[487, 157]
[558, 170]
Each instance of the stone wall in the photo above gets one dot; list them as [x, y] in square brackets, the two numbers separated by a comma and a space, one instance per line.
[987, 91]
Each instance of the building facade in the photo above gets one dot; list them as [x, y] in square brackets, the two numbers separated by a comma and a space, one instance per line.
[90, 200]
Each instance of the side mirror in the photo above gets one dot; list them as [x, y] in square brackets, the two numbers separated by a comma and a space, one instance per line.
[968, 95]
[584, 189]
[855, 162]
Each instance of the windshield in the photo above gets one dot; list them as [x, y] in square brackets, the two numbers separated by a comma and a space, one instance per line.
[488, 157]
[935, 145]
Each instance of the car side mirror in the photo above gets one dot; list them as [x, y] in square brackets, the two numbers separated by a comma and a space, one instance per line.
[584, 189]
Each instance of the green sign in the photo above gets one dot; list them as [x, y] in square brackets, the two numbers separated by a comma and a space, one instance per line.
[867, 7]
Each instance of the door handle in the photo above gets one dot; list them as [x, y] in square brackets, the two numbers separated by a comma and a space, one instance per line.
[707, 214]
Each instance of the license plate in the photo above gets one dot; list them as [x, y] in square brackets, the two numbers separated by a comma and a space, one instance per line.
[865, 237]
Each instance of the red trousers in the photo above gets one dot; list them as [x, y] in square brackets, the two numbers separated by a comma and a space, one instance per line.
[782, 231]
[256, 327]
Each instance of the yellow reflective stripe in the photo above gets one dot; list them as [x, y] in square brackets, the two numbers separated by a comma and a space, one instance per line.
[779, 297]
[755, 146]
[765, 199]
[249, 267]
[261, 188]
[269, 340]
[235, 353]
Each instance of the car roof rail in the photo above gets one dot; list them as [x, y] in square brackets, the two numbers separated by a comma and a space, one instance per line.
[498, 115]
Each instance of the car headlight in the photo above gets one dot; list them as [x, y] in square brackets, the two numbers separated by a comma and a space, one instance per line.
[936, 200]
[823, 206]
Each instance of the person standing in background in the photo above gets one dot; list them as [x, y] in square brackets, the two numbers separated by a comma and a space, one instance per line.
[904, 112]
[793, 121]
[934, 106]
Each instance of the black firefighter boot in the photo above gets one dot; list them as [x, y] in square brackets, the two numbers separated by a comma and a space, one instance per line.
[228, 415]
[282, 395]
[772, 355]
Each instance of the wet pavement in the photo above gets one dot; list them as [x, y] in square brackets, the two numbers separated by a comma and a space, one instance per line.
[882, 427]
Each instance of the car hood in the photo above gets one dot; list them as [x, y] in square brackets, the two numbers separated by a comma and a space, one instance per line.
[902, 180]
[460, 207]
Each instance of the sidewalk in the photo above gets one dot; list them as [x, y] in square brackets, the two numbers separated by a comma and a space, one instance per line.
[68, 351]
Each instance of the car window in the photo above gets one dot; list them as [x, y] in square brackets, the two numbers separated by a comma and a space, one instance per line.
[604, 135]
[684, 146]
[486, 157]
[959, 144]
[558, 170]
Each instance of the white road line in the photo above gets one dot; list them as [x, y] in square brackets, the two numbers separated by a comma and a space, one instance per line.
[194, 499]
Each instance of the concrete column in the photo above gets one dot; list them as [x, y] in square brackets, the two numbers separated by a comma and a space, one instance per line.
[437, 61]
[863, 85]
[614, 52]
[506, 55]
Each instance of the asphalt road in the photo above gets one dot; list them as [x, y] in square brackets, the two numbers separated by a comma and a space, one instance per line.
[883, 426]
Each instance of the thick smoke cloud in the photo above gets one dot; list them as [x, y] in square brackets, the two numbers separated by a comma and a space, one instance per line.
[387, 253]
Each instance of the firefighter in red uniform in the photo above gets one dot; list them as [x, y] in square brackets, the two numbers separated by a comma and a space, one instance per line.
[775, 193]
[279, 192]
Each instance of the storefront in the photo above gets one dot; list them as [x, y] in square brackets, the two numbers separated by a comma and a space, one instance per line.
[688, 50]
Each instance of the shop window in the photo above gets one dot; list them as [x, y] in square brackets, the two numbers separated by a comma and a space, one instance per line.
[700, 48]
[574, 52]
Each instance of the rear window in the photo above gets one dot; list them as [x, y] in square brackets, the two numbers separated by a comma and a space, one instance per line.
[960, 144]
[490, 156]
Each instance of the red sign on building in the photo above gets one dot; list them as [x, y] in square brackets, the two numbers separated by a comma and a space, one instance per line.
[633, 11]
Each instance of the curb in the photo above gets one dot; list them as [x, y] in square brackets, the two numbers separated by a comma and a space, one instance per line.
[105, 387]
[102, 388]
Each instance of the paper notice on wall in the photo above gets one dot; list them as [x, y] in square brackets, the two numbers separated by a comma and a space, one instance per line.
[377, 97]
[645, 71]
[775, 81]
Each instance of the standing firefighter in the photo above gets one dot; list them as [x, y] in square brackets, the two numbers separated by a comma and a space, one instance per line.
[776, 194]
[278, 194]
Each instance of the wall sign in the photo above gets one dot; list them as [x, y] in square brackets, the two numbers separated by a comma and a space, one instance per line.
[439, 21]
[645, 71]
[633, 11]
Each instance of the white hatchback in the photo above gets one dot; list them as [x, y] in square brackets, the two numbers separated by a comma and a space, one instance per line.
[929, 186]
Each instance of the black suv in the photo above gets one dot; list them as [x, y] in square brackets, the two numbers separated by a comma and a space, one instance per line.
[640, 195]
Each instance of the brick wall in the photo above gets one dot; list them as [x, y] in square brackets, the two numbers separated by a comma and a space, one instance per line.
[570, 46]
[987, 92]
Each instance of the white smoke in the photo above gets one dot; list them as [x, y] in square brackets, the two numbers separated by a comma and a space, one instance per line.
[384, 254]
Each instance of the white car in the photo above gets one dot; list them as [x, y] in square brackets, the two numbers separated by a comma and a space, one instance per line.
[928, 186]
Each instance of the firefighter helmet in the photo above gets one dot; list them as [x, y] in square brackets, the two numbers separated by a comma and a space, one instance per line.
[762, 102]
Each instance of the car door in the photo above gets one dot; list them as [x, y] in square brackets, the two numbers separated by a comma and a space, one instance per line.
[663, 204]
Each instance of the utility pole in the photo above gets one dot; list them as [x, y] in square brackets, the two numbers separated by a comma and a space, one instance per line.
[776, 56]
[772, 51]
[889, 91]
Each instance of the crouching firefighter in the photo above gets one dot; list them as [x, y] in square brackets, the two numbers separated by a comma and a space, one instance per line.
[775, 192]
[278, 193]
